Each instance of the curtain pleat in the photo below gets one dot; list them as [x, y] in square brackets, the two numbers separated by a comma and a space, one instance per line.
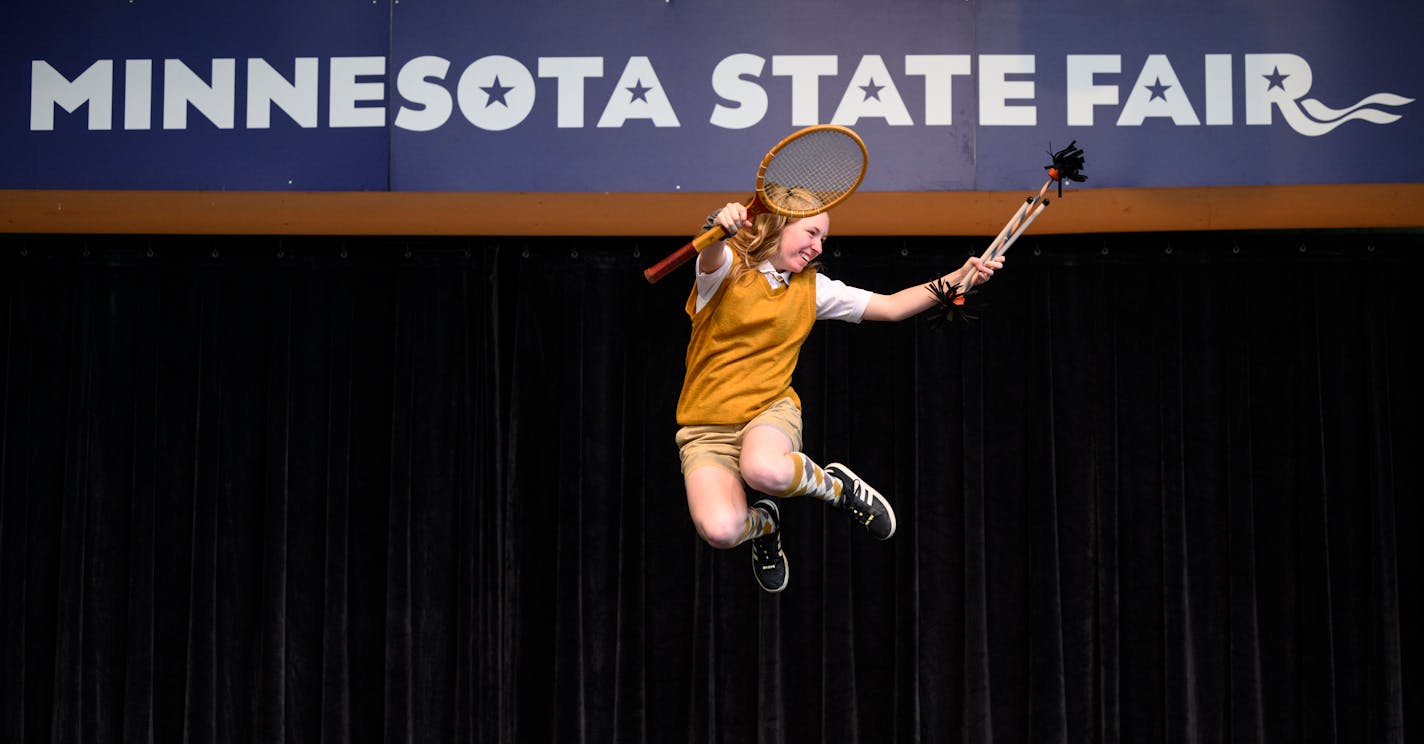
[976, 717]
[74, 509]
[1385, 686]
[391, 489]
[330, 343]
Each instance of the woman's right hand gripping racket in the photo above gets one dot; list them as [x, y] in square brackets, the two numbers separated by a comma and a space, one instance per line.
[827, 159]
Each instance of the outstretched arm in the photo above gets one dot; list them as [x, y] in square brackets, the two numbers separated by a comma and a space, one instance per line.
[912, 301]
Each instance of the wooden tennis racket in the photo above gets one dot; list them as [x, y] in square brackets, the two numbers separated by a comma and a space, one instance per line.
[827, 159]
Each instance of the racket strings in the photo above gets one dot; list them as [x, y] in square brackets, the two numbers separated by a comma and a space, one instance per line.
[826, 163]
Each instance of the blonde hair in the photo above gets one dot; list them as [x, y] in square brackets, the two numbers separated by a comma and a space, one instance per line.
[760, 241]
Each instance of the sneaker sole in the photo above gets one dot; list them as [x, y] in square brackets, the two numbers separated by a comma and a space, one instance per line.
[889, 511]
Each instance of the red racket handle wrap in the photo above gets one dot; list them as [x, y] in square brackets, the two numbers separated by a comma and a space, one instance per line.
[683, 255]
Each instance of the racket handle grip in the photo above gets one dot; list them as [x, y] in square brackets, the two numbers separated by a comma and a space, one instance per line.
[684, 254]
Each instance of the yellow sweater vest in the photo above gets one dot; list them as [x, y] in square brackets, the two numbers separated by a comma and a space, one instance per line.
[744, 346]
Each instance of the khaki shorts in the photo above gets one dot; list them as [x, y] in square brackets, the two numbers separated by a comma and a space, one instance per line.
[721, 444]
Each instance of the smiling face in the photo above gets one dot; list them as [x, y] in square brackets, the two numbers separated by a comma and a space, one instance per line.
[801, 242]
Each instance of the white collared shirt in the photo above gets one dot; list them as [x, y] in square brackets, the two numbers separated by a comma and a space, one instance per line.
[835, 300]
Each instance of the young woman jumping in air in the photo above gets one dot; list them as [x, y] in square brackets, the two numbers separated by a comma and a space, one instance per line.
[757, 295]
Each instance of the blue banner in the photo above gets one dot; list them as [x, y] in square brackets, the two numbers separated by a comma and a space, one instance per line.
[682, 95]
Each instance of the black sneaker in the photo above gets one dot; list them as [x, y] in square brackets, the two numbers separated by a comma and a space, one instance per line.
[863, 503]
[768, 562]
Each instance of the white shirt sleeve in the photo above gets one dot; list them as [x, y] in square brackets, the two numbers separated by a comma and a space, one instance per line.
[707, 284]
[836, 300]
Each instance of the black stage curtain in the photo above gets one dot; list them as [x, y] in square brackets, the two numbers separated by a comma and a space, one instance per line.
[1164, 489]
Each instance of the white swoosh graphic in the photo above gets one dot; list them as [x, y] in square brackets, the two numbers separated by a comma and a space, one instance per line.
[1325, 113]
[1314, 118]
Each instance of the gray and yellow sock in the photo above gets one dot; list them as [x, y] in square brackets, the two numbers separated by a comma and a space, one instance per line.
[758, 523]
[812, 481]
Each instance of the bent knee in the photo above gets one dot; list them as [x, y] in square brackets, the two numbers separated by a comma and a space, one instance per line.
[767, 474]
[722, 530]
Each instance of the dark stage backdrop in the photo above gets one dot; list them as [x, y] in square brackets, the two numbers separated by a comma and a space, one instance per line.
[1165, 489]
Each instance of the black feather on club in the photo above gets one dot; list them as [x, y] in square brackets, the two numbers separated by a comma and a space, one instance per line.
[946, 309]
[1067, 165]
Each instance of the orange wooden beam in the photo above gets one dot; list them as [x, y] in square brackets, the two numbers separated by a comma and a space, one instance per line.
[1082, 210]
